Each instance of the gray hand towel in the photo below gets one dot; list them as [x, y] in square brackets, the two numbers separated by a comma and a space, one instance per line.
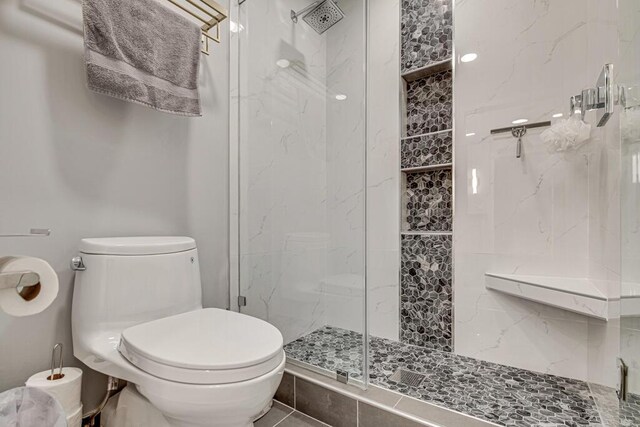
[140, 51]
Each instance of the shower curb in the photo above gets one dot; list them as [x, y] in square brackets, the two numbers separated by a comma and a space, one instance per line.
[307, 391]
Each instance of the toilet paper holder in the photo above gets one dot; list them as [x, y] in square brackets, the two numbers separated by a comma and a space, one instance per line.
[26, 283]
[53, 375]
[34, 232]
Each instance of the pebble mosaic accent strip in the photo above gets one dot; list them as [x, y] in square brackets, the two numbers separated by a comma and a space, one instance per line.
[426, 291]
[500, 394]
[427, 150]
[426, 33]
[429, 200]
[429, 104]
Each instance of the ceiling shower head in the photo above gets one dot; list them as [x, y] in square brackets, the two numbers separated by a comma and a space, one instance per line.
[320, 16]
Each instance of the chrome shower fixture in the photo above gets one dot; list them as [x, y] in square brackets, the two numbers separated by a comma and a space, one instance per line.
[320, 15]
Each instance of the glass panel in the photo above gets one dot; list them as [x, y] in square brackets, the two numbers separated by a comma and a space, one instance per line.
[302, 176]
[628, 77]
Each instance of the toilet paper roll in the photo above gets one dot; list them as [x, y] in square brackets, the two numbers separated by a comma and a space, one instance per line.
[75, 419]
[12, 302]
[66, 390]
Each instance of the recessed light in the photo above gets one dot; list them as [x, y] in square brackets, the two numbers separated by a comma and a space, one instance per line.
[470, 134]
[557, 115]
[520, 121]
[283, 63]
[468, 57]
[341, 97]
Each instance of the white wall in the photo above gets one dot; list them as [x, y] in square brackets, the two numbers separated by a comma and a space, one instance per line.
[87, 165]
[536, 215]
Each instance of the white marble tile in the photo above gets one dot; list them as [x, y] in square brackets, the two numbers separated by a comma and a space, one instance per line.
[630, 350]
[545, 214]
[383, 169]
[301, 167]
[628, 75]
[603, 347]
[574, 295]
[383, 293]
[523, 339]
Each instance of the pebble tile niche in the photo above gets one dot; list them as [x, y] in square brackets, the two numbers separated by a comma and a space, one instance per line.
[429, 104]
[426, 158]
[426, 33]
[428, 198]
[432, 149]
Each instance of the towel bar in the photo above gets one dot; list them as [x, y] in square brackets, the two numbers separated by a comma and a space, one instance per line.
[209, 12]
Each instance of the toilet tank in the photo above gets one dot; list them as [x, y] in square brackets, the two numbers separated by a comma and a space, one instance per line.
[131, 280]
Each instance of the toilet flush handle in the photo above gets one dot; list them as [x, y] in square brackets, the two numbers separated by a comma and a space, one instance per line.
[77, 264]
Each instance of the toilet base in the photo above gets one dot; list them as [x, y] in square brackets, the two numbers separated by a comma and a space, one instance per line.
[223, 405]
[210, 423]
[221, 421]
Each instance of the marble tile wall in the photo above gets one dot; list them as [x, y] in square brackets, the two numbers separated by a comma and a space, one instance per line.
[383, 176]
[429, 104]
[283, 235]
[427, 30]
[545, 214]
[628, 74]
[426, 291]
[301, 168]
[346, 149]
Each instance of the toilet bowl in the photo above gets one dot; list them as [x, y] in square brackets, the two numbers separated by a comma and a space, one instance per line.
[138, 316]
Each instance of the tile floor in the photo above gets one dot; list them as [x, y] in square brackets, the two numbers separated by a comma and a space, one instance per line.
[500, 394]
[283, 416]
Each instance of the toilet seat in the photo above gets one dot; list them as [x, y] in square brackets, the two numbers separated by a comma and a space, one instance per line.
[205, 346]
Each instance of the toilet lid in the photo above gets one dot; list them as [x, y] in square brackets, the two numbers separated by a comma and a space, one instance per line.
[206, 346]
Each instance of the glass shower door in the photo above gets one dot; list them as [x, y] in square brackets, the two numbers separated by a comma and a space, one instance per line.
[628, 79]
[301, 168]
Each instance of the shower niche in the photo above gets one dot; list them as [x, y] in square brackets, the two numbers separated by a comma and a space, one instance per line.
[426, 153]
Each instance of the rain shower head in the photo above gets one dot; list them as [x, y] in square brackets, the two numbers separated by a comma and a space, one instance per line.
[320, 15]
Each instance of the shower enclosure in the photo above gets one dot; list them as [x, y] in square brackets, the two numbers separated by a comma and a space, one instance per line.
[401, 217]
[301, 81]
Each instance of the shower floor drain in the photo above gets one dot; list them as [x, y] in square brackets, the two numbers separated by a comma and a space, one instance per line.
[407, 377]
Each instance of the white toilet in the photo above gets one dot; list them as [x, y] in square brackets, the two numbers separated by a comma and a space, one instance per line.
[137, 315]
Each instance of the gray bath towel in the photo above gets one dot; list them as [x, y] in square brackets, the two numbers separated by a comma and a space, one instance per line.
[143, 52]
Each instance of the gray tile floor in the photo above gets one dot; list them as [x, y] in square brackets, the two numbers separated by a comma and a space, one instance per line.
[283, 416]
[497, 393]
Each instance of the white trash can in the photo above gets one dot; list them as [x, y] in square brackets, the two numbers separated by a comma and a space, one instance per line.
[30, 407]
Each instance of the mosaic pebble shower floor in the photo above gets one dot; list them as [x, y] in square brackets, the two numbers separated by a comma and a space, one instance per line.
[500, 394]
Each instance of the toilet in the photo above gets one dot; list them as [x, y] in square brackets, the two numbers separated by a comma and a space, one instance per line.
[138, 315]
